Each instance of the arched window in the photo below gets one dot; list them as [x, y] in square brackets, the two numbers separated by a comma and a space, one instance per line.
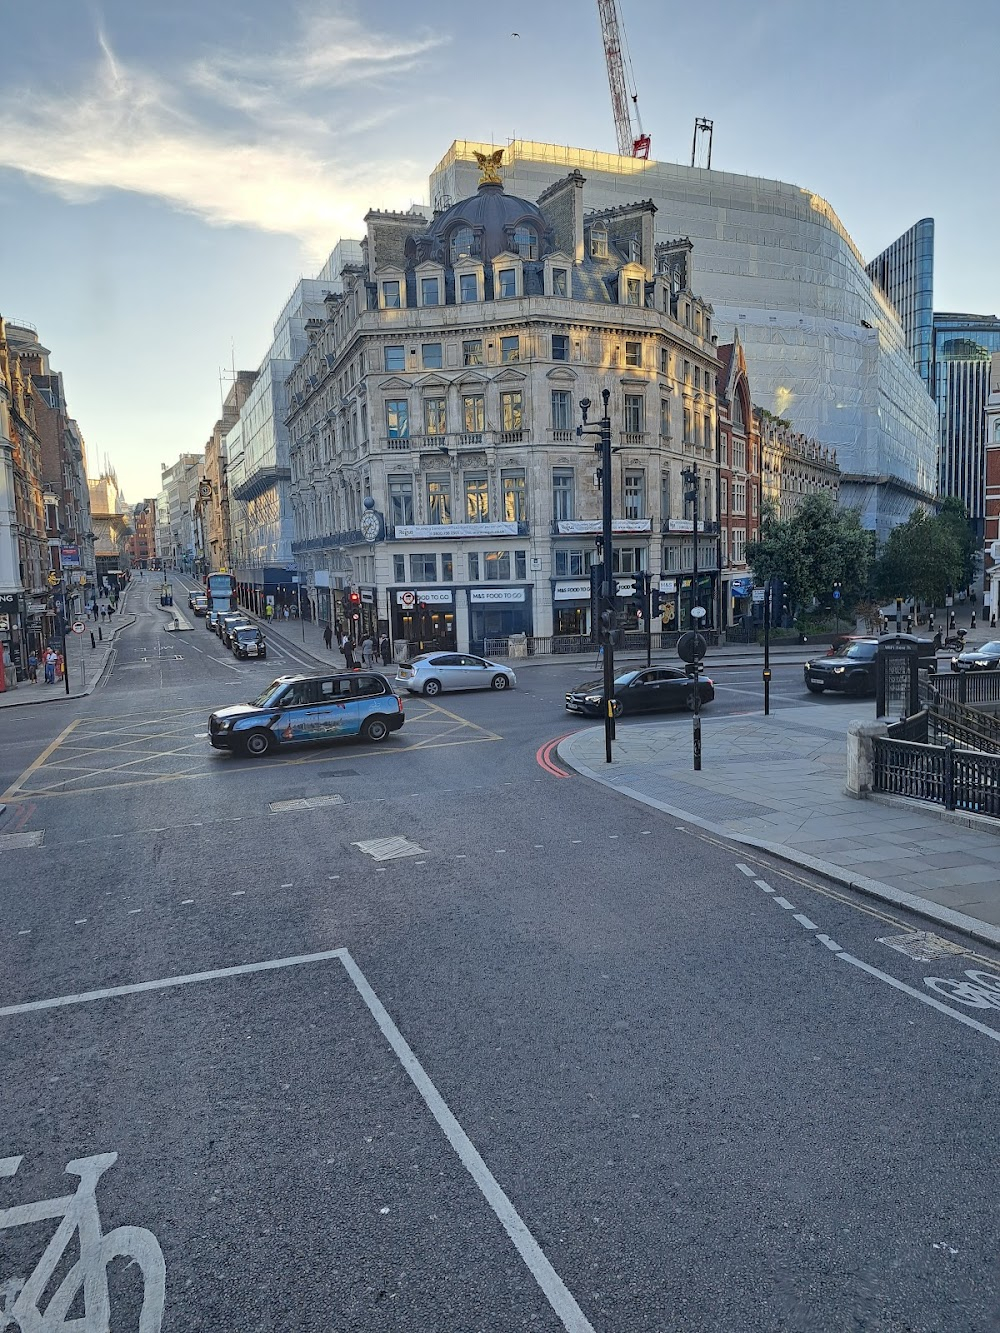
[739, 421]
[463, 243]
[526, 242]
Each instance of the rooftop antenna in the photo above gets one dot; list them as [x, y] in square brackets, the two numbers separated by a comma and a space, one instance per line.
[703, 127]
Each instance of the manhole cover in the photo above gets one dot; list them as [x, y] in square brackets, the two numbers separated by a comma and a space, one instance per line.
[387, 849]
[305, 803]
[922, 946]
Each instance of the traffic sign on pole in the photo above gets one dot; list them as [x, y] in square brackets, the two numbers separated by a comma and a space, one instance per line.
[79, 627]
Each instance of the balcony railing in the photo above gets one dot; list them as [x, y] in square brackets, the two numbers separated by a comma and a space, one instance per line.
[563, 436]
[632, 438]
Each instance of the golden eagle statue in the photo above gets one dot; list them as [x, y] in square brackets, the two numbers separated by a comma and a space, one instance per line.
[488, 164]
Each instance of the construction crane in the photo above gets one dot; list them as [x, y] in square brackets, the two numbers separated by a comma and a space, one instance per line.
[630, 143]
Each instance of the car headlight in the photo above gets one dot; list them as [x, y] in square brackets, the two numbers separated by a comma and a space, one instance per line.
[592, 699]
[808, 666]
[839, 671]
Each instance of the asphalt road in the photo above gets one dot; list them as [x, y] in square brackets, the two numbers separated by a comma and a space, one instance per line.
[567, 1065]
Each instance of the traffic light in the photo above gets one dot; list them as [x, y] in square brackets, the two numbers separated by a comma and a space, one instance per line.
[355, 600]
[657, 600]
[642, 583]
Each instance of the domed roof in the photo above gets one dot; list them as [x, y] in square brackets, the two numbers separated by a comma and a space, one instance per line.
[492, 214]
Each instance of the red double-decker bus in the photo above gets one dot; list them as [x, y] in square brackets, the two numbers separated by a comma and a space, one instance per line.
[221, 590]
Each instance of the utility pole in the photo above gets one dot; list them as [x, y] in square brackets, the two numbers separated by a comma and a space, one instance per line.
[608, 630]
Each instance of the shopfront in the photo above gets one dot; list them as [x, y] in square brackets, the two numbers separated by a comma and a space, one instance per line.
[424, 618]
[497, 613]
[571, 607]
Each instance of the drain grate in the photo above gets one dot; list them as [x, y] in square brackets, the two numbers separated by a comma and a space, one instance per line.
[388, 849]
[922, 946]
[305, 803]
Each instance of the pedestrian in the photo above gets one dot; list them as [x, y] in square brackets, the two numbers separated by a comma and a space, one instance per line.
[993, 620]
[33, 667]
[285, 613]
[367, 650]
[104, 614]
[60, 666]
[972, 597]
[349, 654]
[328, 637]
[269, 611]
[385, 650]
[909, 622]
[973, 625]
[49, 666]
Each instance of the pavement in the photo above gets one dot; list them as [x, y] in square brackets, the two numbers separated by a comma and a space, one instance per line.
[88, 666]
[777, 783]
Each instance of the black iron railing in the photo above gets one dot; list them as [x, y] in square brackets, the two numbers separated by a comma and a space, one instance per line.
[968, 687]
[942, 774]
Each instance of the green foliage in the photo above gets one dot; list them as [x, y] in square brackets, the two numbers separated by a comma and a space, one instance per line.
[922, 558]
[954, 516]
[819, 545]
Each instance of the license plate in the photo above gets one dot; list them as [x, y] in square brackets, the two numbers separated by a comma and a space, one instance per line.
[816, 680]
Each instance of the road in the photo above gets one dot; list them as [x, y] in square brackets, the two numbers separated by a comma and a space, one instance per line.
[566, 1065]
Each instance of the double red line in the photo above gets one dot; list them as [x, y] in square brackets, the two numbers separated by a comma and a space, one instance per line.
[543, 756]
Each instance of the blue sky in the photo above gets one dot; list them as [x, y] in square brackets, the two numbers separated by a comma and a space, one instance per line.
[168, 171]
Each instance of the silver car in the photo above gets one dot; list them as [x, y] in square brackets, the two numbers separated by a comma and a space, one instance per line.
[430, 673]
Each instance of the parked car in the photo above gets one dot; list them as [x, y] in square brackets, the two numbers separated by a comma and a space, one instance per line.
[295, 710]
[657, 689]
[247, 641]
[986, 658]
[430, 673]
[228, 630]
[850, 668]
[199, 605]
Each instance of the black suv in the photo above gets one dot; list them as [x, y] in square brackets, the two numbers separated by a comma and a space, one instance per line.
[850, 667]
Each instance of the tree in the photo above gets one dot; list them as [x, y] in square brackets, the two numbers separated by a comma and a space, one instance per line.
[954, 518]
[818, 546]
[921, 559]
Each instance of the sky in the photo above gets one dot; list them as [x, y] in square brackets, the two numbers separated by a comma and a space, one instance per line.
[168, 171]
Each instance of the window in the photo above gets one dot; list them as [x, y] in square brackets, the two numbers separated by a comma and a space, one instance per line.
[520, 564]
[688, 424]
[634, 413]
[474, 413]
[706, 431]
[723, 496]
[664, 497]
[740, 454]
[496, 565]
[573, 564]
[473, 561]
[560, 282]
[563, 494]
[510, 410]
[598, 243]
[447, 567]
[435, 416]
[390, 294]
[472, 352]
[697, 377]
[739, 545]
[706, 503]
[510, 348]
[463, 244]
[526, 242]
[439, 498]
[753, 501]
[723, 451]
[560, 347]
[398, 569]
[506, 284]
[468, 288]
[395, 358]
[739, 496]
[423, 568]
[633, 354]
[635, 495]
[401, 500]
[687, 372]
[397, 418]
[430, 291]
[665, 418]
[562, 408]
[515, 503]
[633, 291]
[724, 544]
[430, 356]
[364, 421]
[628, 559]
[664, 361]
[477, 501]
[671, 558]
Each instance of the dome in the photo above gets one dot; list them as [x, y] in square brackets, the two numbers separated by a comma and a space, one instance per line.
[486, 225]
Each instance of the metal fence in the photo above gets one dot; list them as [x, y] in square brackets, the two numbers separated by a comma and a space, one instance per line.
[942, 774]
[967, 687]
[557, 644]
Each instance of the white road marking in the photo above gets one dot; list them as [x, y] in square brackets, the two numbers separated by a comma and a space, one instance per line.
[132, 911]
[24, 932]
[186, 902]
[746, 869]
[804, 921]
[832, 945]
[922, 996]
[9, 841]
[763, 884]
[783, 902]
[80, 921]
[556, 1292]
[238, 893]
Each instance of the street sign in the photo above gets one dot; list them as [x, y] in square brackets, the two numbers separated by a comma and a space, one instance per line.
[53, 578]
[79, 627]
[758, 595]
[407, 598]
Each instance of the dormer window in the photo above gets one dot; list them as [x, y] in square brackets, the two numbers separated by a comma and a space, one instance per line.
[633, 291]
[463, 244]
[526, 242]
[506, 283]
[468, 288]
[598, 243]
[635, 250]
[430, 291]
[390, 294]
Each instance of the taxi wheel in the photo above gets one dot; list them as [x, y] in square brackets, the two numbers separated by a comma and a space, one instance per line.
[257, 743]
[375, 729]
[499, 682]
[432, 687]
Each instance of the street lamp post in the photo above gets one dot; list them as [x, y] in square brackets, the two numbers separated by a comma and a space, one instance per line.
[690, 475]
[602, 433]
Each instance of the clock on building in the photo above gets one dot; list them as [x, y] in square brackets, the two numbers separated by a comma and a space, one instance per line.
[371, 526]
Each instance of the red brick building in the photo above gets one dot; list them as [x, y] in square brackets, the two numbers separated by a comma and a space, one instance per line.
[738, 498]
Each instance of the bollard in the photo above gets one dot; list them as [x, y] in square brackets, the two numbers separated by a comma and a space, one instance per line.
[100, 633]
[93, 641]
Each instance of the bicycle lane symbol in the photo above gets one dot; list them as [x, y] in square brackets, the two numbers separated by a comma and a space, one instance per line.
[20, 1297]
[980, 991]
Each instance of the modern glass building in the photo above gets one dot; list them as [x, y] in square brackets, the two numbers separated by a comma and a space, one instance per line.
[825, 347]
[905, 273]
[963, 346]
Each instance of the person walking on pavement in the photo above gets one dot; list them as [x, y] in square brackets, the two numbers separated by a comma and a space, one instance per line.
[49, 666]
[385, 650]
[367, 651]
[973, 625]
[33, 667]
[328, 637]
[347, 648]
[59, 666]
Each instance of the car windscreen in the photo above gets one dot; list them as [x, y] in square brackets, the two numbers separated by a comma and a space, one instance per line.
[858, 652]
[991, 649]
[246, 634]
[265, 696]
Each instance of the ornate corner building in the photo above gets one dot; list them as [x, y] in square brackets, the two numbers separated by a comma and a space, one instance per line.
[440, 393]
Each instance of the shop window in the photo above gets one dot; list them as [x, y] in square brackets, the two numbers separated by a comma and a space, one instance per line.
[472, 352]
[510, 349]
[423, 569]
[511, 410]
[560, 347]
[477, 501]
[395, 358]
[515, 502]
[431, 357]
[563, 494]
[496, 566]
[474, 413]
[439, 498]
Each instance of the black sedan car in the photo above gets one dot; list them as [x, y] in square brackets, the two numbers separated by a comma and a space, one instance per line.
[657, 689]
[986, 658]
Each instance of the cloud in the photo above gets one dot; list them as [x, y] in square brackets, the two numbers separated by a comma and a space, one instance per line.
[243, 148]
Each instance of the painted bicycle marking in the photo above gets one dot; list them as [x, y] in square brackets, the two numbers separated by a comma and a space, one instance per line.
[21, 1297]
[980, 991]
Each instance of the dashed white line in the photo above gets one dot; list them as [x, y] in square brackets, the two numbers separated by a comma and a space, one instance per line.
[287, 886]
[832, 945]
[783, 902]
[80, 921]
[238, 893]
[922, 996]
[803, 920]
[134, 911]
[24, 932]
[763, 884]
[746, 869]
[186, 902]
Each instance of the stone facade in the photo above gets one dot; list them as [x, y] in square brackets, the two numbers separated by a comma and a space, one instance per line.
[443, 388]
[793, 466]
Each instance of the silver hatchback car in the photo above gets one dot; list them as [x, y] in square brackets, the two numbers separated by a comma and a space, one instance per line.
[430, 673]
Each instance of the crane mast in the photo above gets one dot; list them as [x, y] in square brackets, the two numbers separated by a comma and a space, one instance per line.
[630, 143]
